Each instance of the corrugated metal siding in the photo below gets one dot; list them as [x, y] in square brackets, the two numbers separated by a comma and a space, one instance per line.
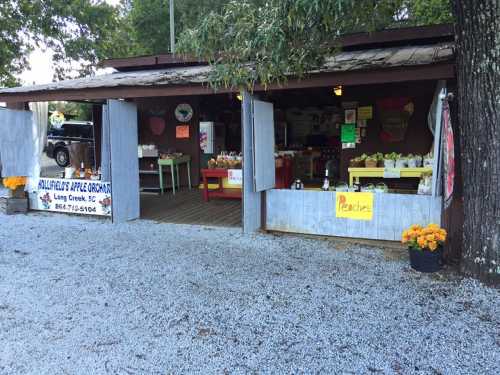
[16, 142]
[124, 161]
[313, 212]
[263, 142]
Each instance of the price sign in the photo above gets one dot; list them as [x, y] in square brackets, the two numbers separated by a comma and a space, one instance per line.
[392, 173]
[235, 176]
[356, 206]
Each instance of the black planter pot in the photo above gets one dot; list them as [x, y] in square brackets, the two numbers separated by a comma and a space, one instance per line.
[426, 261]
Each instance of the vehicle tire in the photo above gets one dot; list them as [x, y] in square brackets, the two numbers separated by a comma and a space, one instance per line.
[61, 155]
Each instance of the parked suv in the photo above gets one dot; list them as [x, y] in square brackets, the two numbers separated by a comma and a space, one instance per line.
[70, 132]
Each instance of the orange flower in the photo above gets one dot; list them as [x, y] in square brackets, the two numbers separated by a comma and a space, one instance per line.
[13, 183]
[429, 237]
[422, 242]
[432, 245]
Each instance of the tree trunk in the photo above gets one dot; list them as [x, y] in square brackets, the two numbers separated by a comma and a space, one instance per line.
[478, 73]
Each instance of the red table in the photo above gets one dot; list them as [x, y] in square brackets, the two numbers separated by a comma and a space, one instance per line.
[218, 173]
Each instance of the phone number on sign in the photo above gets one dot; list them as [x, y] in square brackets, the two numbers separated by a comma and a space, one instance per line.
[75, 208]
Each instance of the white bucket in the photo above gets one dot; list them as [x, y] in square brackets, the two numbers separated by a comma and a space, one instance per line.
[68, 172]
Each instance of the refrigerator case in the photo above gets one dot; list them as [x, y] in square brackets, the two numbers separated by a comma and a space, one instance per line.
[207, 137]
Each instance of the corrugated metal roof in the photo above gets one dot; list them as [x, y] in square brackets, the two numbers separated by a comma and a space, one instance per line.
[371, 59]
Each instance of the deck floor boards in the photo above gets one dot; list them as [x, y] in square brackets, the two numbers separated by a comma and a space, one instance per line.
[188, 207]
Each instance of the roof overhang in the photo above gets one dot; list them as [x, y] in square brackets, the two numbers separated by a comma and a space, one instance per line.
[383, 65]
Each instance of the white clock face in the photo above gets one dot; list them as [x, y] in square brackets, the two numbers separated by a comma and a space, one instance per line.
[184, 112]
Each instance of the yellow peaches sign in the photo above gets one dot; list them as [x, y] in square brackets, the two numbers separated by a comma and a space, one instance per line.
[357, 206]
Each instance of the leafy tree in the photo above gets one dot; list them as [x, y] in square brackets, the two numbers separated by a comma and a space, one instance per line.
[73, 110]
[77, 30]
[478, 75]
[248, 44]
[145, 27]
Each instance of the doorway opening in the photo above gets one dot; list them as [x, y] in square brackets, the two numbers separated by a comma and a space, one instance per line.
[183, 142]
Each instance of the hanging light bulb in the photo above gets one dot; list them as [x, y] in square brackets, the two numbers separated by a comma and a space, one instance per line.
[337, 90]
[239, 97]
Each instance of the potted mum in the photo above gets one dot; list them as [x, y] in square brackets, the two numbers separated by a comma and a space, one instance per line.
[16, 202]
[425, 246]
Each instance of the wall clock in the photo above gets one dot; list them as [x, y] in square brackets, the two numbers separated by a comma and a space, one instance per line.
[183, 112]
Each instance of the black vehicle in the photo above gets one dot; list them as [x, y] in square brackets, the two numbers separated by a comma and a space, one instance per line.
[58, 139]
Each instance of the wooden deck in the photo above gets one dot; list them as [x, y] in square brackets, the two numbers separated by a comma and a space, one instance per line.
[188, 207]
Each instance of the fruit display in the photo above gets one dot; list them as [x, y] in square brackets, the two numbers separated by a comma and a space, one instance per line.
[226, 160]
[391, 160]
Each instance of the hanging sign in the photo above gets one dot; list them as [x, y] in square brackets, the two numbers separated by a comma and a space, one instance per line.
[348, 133]
[365, 113]
[449, 156]
[357, 206]
[184, 112]
[72, 196]
[182, 131]
[235, 176]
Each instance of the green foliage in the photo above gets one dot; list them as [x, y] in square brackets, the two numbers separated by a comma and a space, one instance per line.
[428, 12]
[73, 110]
[145, 27]
[77, 30]
[250, 43]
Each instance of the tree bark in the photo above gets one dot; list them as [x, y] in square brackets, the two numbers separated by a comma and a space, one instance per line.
[478, 74]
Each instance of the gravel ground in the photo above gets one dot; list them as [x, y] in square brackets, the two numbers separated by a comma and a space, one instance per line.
[83, 296]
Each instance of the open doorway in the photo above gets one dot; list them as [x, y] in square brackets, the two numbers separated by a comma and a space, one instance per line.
[190, 159]
[70, 143]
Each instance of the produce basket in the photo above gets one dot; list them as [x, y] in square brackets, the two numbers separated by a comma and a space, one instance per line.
[370, 163]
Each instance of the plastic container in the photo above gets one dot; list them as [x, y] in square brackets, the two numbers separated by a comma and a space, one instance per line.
[401, 163]
[389, 163]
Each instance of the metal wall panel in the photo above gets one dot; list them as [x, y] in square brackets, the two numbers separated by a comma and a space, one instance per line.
[263, 138]
[313, 212]
[122, 117]
[105, 146]
[252, 200]
[17, 150]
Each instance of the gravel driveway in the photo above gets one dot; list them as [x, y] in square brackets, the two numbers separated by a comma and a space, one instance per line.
[83, 296]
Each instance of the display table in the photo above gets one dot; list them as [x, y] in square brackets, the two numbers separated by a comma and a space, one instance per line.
[356, 173]
[174, 162]
[221, 192]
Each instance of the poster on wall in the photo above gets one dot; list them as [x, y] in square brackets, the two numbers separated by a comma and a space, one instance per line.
[365, 113]
[348, 133]
[83, 197]
[350, 116]
[356, 206]
[394, 115]
[182, 131]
